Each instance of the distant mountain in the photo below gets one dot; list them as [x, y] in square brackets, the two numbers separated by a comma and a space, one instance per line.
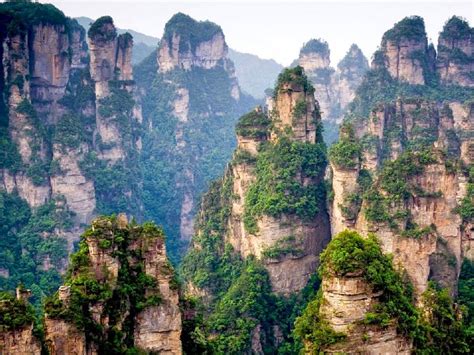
[143, 44]
[254, 74]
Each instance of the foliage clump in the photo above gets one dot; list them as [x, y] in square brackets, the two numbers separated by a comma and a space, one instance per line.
[213, 265]
[103, 28]
[466, 207]
[456, 28]
[410, 28]
[346, 152]
[254, 124]
[19, 16]
[14, 313]
[277, 189]
[315, 46]
[293, 76]
[24, 248]
[190, 31]
[348, 252]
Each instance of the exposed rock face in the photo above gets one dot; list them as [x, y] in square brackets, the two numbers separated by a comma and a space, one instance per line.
[19, 342]
[61, 118]
[64, 338]
[407, 55]
[314, 58]
[350, 73]
[346, 301]
[334, 88]
[455, 61]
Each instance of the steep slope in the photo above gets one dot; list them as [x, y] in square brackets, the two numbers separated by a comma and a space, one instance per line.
[334, 88]
[261, 227]
[120, 296]
[68, 136]
[402, 168]
[255, 74]
[191, 105]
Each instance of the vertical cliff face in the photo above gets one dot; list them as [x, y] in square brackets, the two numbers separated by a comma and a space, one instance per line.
[408, 57]
[334, 88]
[111, 71]
[134, 304]
[289, 243]
[455, 59]
[314, 58]
[401, 166]
[191, 110]
[262, 226]
[350, 72]
[68, 128]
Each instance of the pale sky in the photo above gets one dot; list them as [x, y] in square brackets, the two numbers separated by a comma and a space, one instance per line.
[278, 29]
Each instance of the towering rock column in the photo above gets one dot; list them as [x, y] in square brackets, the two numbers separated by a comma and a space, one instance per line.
[407, 56]
[455, 61]
[111, 70]
[314, 58]
[192, 49]
[288, 244]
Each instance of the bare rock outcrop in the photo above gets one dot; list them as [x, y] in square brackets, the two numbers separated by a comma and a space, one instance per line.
[346, 301]
[406, 53]
[334, 88]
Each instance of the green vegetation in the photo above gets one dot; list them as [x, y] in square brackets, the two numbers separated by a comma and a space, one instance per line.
[21, 15]
[14, 313]
[466, 293]
[395, 176]
[246, 304]
[396, 181]
[69, 132]
[213, 265]
[466, 208]
[254, 124]
[131, 292]
[354, 64]
[293, 76]
[118, 108]
[208, 135]
[410, 28]
[277, 190]
[442, 328]
[283, 247]
[437, 329]
[348, 252]
[315, 46]
[311, 329]
[456, 28]
[24, 248]
[346, 152]
[9, 156]
[191, 32]
[98, 28]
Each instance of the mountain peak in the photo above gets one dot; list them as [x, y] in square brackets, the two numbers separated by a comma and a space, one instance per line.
[187, 43]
